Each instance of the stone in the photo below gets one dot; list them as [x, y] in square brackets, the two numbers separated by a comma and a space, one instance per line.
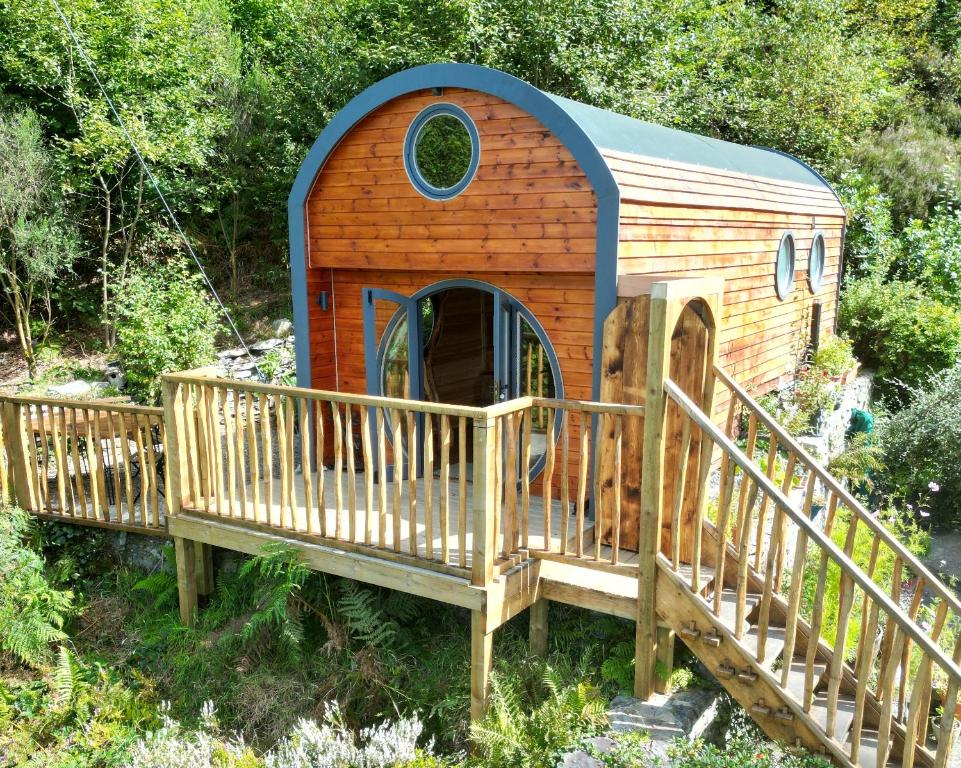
[230, 353]
[266, 345]
[76, 388]
[579, 759]
[243, 373]
[291, 339]
[281, 327]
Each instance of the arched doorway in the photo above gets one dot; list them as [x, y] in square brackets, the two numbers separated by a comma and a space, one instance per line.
[474, 345]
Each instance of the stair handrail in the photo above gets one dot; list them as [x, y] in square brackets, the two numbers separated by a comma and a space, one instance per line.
[930, 580]
[877, 595]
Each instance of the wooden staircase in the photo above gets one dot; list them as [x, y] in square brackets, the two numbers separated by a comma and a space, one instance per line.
[751, 602]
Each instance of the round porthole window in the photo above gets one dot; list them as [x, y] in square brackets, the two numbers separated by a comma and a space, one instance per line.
[784, 267]
[441, 151]
[816, 263]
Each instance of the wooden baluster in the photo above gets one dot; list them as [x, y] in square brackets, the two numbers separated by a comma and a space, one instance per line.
[831, 515]
[886, 638]
[351, 472]
[214, 415]
[794, 605]
[846, 590]
[93, 465]
[584, 457]
[527, 424]
[117, 456]
[945, 734]
[925, 709]
[367, 453]
[305, 464]
[744, 526]
[886, 687]
[723, 515]
[510, 487]
[764, 615]
[865, 661]
[598, 471]
[127, 473]
[288, 448]
[230, 434]
[916, 601]
[59, 458]
[77, 471]
[321, 458]
[817, 618]
[547, 480]
[42, 463]
[252, 454]
[338, 478]
[746, 483]
[782, 551]
[150, 449]
[382, 479]
[202, 428]
[185, 403]
[565, 482]
[398, 451]
[412, 483]
[679, 481]
[870, 570]
[762, 509]
[429, 486]
[444, 482]
[462, 489]
[704, 455]
[146, 481]
[240, 435]
[618, 468]
[268, 453]
[280, 414]
[498, 438]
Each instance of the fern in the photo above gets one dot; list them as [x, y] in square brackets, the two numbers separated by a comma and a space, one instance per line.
[365, 617]
[618, 667]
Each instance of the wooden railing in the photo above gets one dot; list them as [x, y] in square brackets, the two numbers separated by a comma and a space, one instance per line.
[785, 557]
[929, 600]
[95, 462]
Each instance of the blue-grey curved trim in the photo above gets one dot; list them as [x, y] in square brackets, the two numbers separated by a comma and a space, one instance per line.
[800, 162]
[536, 103]
[410, 145]
[815, 285]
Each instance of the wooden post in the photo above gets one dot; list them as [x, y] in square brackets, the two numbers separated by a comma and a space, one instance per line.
[539, 627]
[665, 658]
[652, 490]
[484, 493]
[204, 568]
[186, 579]
[19, 456]
[174, 428]
[481, 657]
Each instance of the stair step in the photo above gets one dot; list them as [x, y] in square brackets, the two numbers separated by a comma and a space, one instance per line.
[705, 577]
[868, 751]
[795, 679]
[772, 648]
[729, 606]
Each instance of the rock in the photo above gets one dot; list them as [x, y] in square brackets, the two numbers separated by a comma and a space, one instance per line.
[231, 353]
[266, 345]
[579, 759]
[114, 375]
[76, 388]
[281, 327]
[291, 339]
[243, 373]
[245, 365]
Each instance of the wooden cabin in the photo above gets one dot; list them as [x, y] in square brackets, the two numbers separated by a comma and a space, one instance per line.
[506, 218]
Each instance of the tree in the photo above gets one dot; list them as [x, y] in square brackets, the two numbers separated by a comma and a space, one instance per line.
[37, 244]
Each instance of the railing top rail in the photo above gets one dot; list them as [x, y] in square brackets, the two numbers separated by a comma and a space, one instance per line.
[91, 405]
[814, 533]
[589, 406]
[931, 581]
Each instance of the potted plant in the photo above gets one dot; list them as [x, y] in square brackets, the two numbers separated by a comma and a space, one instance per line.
[835, 356]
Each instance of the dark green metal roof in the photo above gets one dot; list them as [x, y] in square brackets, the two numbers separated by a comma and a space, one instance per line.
[610, 130]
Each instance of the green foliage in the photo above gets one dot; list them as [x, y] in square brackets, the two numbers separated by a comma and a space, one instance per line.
[520, 733]
[618, 667]
[922, 448]
[834, 356]
[901, 332]
[741, 752]
[32, 610]
[165, 322]
[933, 254]
[860, 460]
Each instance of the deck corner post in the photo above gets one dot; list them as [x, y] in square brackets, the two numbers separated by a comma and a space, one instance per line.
[204, 568]
[186, 579]
[481, 661]
[538, 637]
[17, 450]
[652, 490]
[174, 430]
[484, 491]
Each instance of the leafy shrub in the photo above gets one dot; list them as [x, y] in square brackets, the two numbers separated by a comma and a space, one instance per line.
[922, 447]
[518, 734]
[741, 752]
[165, 322]
[32, 610]
[901, 332]
[933, 254]
[835, 356]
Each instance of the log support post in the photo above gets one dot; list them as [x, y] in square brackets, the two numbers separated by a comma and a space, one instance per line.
[484, 493]
[665, 658]
[539, 627]
[184, 550]
[204, 568]
[481, 660]
[652, 489]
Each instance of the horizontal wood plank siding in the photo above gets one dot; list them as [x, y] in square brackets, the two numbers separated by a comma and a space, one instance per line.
[685, 220]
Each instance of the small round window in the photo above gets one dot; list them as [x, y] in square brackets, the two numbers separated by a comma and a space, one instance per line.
[816, 263]
[441, 151]
[784, 268]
